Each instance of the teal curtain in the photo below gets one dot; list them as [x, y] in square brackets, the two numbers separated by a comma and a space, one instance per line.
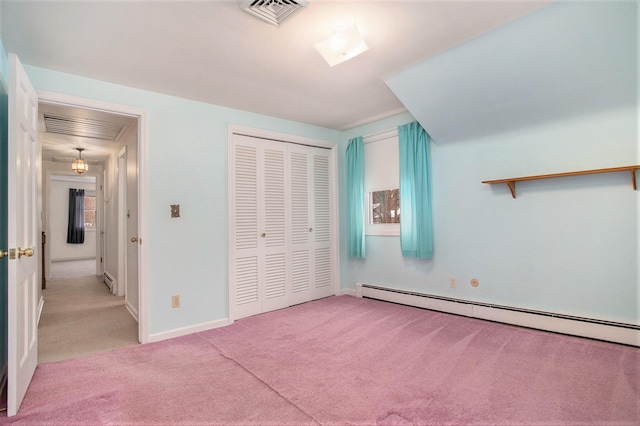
[416, 229]
[355, 198]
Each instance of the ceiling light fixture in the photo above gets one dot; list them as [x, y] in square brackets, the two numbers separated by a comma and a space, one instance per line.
[79, 165]
[342, 46]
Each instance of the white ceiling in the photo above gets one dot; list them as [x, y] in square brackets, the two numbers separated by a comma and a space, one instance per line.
[214, 52]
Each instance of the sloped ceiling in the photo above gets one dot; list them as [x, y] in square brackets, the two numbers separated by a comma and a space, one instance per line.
[212, 51]
[566, 60]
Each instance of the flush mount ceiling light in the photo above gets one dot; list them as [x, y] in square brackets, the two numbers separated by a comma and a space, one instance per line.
[273, 11]
[79, 165]
[342, 46]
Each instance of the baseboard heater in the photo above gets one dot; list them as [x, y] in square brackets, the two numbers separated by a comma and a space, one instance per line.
[108, 280]
[628, 334]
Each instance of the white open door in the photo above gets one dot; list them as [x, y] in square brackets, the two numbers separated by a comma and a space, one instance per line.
[23, 235]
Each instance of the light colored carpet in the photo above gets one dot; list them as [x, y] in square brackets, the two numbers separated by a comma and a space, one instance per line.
[80, 316]
[63, 269]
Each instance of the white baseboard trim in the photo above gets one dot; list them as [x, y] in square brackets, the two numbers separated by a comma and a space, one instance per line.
[183, 331]
[628, 334]
[132, 310]
[346, 292]
[40, 307]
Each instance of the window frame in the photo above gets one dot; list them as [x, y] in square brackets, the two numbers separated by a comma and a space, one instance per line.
[382, 229]
[90, 193]
[379, 229]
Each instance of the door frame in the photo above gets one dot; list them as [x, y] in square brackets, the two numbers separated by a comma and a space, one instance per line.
[60, 99]
[333, 171]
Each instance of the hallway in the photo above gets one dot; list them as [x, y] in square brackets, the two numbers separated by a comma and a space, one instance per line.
[80, 317]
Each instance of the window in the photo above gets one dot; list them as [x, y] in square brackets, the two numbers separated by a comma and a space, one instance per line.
[89, 210]
[384, 206]
[381, 183]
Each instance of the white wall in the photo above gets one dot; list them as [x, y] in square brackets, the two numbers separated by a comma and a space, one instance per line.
[50, 168]
[58, 216]
[187, 165]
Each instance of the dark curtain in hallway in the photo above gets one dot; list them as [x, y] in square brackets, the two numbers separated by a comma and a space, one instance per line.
[75, 230]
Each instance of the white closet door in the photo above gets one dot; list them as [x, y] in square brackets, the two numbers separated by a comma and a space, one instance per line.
[281, 228]
[322, 268]
[273, 226]
[301, 224]
[244, 251]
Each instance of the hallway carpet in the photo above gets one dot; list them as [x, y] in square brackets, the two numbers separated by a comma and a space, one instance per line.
[345, 361]
[80, 316]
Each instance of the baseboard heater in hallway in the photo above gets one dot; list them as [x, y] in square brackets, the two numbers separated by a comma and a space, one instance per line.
[108, 280]
[628, 334]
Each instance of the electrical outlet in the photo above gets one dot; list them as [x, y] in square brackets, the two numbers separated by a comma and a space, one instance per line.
[452, 282]
[175, 301]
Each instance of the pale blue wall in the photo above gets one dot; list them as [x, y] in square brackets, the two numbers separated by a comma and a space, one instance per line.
[565, 245]
[187, 165]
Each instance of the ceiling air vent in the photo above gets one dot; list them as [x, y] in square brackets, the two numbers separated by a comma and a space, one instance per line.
[82, 127]
[273, 11]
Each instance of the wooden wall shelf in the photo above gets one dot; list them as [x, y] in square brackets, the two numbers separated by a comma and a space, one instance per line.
[511, 182]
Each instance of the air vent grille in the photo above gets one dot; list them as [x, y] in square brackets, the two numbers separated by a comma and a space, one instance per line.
[273, 11]
[82, 127]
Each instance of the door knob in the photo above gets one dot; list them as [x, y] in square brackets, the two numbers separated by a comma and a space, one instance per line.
[25, 252]
[3, 253]
[134, 240]
[263, 235]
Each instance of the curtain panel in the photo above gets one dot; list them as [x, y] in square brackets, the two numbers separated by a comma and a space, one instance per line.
[416, 229]
[355, 198]
[75, 228]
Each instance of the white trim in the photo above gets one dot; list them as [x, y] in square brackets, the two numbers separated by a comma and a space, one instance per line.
[347, 292]
[132, 310]
[575, 327]
[380, 136]
[40, 308]
[183, 331]
[60, 99]
[277, 136]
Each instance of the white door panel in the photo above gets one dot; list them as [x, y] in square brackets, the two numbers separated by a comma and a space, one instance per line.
[23, 233]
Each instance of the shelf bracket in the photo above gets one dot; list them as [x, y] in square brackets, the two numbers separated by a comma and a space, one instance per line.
[512, 187]
[633, 178]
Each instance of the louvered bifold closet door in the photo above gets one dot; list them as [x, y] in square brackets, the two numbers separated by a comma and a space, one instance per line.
[244, 250]
[274, 227]
[259, 259]
[301, 223]
[322, 260]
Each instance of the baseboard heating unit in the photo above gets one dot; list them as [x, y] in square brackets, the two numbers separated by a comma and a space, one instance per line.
[108, 280]
[628, 334]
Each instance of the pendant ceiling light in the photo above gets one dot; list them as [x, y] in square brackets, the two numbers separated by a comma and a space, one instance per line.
[79, 166]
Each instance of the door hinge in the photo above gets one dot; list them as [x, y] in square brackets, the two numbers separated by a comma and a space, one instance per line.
[100, 260]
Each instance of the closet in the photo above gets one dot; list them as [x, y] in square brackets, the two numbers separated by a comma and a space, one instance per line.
[281, 224]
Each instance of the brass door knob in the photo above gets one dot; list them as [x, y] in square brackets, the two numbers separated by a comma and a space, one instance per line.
[3, 253]
[25, 252]
[134, 240]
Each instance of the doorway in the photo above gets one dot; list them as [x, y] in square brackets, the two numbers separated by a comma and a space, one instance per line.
[75, 121]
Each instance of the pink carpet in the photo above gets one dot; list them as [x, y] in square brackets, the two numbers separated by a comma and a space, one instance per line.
[343, 360]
